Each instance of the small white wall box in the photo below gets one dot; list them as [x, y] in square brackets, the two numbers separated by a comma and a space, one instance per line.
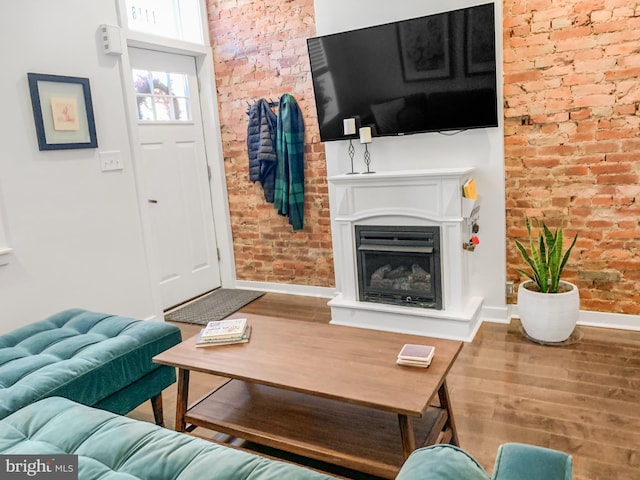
[111, 39]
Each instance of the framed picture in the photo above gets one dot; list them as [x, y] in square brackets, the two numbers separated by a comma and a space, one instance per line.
[424, 47]
[479, 42]
[62, 111]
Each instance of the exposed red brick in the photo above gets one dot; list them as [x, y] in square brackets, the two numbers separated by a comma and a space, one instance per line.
[259, 50]
[593, 47]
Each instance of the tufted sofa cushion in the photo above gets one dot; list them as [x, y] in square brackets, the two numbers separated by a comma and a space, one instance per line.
[111, 447]
[81, 355]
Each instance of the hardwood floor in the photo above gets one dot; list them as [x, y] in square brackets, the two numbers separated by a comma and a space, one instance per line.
[583, 399]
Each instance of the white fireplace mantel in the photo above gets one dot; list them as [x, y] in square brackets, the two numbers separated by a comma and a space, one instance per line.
[406, 198]
[434, 194]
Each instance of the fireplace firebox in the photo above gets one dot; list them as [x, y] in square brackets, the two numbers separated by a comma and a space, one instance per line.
[399, 265]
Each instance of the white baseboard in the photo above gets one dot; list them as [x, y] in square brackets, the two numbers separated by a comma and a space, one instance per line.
[618, 321]
[305, 290]
[495, 314]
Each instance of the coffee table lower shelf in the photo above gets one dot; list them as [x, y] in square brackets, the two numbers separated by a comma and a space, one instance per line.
[350, 436]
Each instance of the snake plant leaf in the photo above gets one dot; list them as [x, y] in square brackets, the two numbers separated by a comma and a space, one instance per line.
[546, 259]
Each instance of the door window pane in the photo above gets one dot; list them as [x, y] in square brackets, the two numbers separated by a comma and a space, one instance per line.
[162, 96]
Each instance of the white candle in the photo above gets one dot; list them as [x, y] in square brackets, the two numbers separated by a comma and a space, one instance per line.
[349, 126]
[365, 135]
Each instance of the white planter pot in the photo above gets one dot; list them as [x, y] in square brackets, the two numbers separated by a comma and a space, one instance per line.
[548, 317]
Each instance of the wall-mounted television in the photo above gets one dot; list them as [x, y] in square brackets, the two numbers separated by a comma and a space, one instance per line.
[427, 74]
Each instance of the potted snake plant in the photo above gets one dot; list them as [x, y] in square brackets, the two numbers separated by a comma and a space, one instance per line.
[548, 306]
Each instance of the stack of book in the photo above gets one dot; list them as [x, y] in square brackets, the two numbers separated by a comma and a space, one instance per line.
[224, 332]
[416, 355]
[469, 189]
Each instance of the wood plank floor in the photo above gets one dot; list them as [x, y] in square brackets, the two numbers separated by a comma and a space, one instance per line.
[583, 399]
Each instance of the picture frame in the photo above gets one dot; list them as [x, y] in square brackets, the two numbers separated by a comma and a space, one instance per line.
[424, 48]
[62, 112]
[479, 48]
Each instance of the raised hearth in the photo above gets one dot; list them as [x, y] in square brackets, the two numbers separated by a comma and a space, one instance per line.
[405, 201]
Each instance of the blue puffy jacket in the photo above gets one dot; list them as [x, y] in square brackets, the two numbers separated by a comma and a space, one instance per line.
[261, 145]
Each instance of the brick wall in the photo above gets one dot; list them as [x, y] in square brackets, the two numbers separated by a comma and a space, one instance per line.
[260, 51]
[572, 144]
[571, 95]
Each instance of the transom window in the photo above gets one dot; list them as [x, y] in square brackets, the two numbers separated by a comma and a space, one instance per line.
[178, 19]
[162, 96]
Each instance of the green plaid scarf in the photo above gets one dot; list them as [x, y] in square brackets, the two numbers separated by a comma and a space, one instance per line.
[289, 193]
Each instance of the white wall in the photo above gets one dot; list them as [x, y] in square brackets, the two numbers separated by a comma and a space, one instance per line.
[481, 149]
[75, 231]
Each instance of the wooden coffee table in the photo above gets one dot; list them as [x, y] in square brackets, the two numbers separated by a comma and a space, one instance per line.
[327, 392]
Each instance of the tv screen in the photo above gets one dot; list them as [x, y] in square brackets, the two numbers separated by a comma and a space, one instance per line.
[426, 74]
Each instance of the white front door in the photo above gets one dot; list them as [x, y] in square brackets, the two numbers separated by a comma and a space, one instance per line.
[174, 174]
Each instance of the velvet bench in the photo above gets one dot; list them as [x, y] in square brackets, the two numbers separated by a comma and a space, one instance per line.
[112, 447]
[93, 358]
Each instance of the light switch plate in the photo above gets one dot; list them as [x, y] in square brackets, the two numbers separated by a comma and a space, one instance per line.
[110, 161]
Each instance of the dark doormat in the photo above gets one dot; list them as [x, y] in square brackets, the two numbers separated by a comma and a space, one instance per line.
[214, 306]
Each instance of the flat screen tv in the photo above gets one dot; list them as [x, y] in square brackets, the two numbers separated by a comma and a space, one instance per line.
[427, 74]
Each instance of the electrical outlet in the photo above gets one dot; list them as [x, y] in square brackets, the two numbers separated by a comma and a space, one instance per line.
[509, 290]
[110, 161]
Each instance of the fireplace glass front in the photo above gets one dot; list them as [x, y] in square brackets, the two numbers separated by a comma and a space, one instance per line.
[399, 265]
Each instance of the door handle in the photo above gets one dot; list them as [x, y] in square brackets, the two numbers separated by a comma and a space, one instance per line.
[152, 201]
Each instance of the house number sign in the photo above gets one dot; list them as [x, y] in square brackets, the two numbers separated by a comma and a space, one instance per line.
[142, 14]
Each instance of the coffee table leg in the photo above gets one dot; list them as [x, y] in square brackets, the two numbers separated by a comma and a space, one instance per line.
[407, 435]
[445, 403]
[181, 401]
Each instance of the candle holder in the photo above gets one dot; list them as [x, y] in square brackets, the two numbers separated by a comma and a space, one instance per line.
[351, 151]
[367, 159]
[350, 125]
[365, 138]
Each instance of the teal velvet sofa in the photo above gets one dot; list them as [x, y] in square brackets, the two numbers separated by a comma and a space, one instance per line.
[515, 461]
[93, 358]
[112, 447]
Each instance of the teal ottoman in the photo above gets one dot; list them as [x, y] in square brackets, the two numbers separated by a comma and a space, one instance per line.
[93, 358]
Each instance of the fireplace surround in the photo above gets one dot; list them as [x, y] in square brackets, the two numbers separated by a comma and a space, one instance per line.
[401, 201]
